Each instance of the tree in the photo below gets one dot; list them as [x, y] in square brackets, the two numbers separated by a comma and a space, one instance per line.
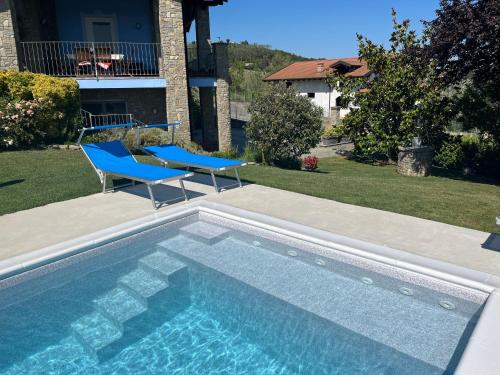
[401, 99]
[284, 125]
[464, 40]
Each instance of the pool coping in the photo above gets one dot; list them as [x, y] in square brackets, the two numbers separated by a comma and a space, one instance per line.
[479, 354]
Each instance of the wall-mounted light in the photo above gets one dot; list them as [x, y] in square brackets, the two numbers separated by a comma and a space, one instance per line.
[155, 110]
[138, 25]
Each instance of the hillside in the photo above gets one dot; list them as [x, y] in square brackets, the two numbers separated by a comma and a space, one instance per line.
[250, 63]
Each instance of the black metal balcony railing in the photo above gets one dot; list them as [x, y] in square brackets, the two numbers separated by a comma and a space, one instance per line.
[91, 59]
[200, 61]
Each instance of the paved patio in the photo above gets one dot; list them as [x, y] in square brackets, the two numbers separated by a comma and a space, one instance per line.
[33, 229]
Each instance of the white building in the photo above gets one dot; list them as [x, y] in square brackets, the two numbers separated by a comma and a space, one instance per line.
[309, 78]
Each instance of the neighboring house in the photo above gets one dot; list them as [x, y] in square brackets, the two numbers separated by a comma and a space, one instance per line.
[128, 57]
[309, 78]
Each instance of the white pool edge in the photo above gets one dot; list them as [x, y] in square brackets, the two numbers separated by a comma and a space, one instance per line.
[482, 353]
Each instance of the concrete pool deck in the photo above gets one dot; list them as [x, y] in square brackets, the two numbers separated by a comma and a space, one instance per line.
[33, 229]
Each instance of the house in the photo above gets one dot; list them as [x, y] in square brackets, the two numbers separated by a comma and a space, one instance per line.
[309, 78]
[129, 57]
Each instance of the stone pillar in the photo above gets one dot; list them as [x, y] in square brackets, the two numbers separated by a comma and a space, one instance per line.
[173, 51]
[8, 30]
[204, 49]
[207, 103]
[223, 101]
[415, 161]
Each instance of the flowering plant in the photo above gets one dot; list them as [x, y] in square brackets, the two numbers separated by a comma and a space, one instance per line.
[311, 163]
[24, 123]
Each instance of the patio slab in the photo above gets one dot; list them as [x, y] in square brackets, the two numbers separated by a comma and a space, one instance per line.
[36, 228]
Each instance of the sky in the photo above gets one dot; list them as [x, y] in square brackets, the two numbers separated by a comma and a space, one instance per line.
[314, 28]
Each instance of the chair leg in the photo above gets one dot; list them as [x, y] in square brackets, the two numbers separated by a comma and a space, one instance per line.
[215, 182]
[237, 177]
[183, 190]
[152, 197]
[104, 183]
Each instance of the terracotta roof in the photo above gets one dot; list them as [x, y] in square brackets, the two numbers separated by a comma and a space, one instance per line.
[318, 69]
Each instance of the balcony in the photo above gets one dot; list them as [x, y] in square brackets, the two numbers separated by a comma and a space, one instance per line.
[201, 61]
[95, 60]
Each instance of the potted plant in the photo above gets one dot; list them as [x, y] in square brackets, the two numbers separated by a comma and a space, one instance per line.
[332, 135]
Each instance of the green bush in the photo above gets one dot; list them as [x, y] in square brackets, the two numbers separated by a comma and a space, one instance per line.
[229, 154]
[42, 109]
[450, 155]
[284, 125]
[250, 154]
[336, 131]
[470, 153]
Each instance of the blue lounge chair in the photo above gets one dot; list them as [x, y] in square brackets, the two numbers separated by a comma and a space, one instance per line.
[113, 158]
[173, 154]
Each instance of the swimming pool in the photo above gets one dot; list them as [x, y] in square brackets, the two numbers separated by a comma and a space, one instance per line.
[206, 292]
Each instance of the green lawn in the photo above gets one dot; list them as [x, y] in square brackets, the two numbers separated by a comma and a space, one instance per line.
[34, 178]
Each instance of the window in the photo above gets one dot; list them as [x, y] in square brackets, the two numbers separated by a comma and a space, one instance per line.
[311, 95]
[105, 108]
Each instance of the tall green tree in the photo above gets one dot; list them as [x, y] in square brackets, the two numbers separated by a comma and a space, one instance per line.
[400, 100]
[464, 41]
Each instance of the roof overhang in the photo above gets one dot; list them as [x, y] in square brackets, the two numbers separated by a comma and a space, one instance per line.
[190, 7]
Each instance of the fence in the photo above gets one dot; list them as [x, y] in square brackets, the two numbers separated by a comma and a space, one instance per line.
[90, 120]
[91, 59]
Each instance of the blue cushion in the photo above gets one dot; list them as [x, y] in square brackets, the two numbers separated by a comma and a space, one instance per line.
[179, 155]
[113, 158]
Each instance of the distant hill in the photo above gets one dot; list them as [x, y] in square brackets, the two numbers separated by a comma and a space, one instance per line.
[250, 63]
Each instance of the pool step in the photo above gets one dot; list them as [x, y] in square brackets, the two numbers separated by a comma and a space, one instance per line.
[164, 267]
[119, 306]
[121, 315]
[205, 232]
[94, 332]
[142, 284]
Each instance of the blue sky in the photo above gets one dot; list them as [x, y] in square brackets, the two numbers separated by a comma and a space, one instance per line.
[314, 28]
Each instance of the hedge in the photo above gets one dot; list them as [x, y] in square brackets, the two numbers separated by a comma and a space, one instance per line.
[37, 109]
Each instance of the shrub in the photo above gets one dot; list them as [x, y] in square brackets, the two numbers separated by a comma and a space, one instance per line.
[22, 124]
[470, 153]
[65, 95]
[250, 154]
[311, 163]
[229, 154]
[336, 131]
[450, 155]
[57, 98]
[284, 125]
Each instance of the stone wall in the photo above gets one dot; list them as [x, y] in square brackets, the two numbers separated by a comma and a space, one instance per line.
[223, 100]
[147, 105]
[8, 32]
[415, 161]
[172, 40]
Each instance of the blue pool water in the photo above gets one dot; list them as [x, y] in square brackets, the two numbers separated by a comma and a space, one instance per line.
[198, 297]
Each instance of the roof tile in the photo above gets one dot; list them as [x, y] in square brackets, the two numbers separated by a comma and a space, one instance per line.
[309, 69]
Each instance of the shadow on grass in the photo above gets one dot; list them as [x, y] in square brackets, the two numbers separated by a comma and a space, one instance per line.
[455, 175]
[435, 171]
[11, 182]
